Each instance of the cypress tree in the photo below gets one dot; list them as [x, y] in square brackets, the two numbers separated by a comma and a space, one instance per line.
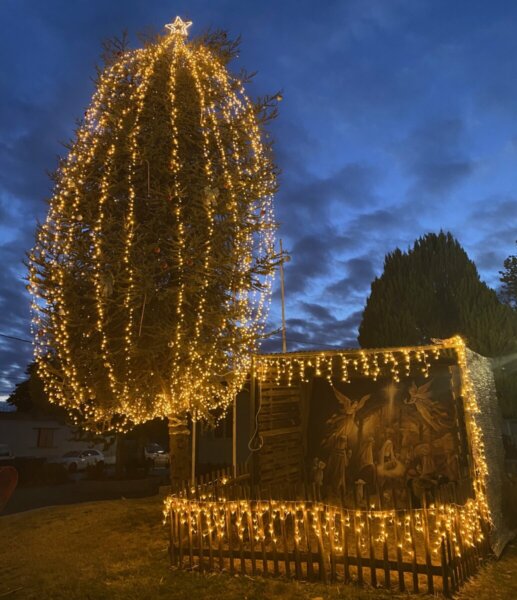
[509, 280]
[434, 291]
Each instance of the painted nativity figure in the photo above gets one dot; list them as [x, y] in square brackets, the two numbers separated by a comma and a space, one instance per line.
[343, 422]
[428, 409]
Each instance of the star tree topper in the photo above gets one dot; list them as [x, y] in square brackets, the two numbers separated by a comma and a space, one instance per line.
[179, 27]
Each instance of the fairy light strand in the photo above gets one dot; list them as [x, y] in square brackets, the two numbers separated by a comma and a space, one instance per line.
[200, 357]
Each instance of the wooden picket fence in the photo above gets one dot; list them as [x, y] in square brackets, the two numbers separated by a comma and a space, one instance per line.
[433, 548]
[215, 482]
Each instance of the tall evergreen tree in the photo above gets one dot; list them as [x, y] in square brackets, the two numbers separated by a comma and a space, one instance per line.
[152, 273]
[509, 280]
[434, 291]
[29, 395]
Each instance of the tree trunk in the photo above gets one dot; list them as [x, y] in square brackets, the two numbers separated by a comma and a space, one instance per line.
[179, 451]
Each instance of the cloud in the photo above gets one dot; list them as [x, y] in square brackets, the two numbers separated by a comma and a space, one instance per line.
[14, 358]
[340, 333]
[492, 224]
[313, 257]
[359, 275]
[309, 203]
[303, 334]
[434, 157]
[317, 311]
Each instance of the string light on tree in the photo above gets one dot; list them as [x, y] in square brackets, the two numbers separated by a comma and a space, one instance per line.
[151, 276]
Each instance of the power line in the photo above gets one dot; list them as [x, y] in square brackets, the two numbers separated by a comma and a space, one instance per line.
[12, 337]
[290, 339]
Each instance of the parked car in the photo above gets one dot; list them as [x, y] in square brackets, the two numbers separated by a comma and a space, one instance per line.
[93, 457]
[80, 460]
[157, 454]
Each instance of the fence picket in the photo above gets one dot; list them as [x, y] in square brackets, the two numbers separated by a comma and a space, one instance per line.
[358, 552]
[428, 561]
[373, 572]
[180, 540]
[414, 561]
[400, 570]
[285, 531]
[251, 535]
[240, 537]
[190, 542]
[385, 555]
[296, 535]
[310, 564]
[221, 514]
[273, 539]
[209, 522]
[344, 534]
[452, 563]
[200, 540]
[445, 573]
[172, 536]
[284, 543]
[260, 519]
[230, 538]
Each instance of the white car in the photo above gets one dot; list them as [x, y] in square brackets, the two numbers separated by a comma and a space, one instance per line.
[79, 460]
[93, 457]
[157, 454]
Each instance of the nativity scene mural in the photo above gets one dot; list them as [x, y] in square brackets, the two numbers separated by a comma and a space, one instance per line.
[386, 443]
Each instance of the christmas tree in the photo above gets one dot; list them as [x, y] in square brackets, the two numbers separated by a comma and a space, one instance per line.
[151, 275]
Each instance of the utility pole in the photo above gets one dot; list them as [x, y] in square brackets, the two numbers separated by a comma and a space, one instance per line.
[282, 291]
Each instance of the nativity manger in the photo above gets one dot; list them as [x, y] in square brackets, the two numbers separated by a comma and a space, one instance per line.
[383, 426]
[373, 463]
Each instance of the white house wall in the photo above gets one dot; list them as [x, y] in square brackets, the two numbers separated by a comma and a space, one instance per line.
[21, 435]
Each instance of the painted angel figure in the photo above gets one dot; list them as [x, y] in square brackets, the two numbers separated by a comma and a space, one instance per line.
[427, 408]
[343, 422]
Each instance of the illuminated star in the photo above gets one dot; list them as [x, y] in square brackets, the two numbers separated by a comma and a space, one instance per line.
[179, 27]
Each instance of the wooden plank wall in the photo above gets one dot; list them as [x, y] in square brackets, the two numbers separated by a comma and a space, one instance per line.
[280, 460]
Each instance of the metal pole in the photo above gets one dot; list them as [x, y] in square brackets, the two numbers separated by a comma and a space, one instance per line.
[252, 425]
[282, 291]
[234, 436]
[193, 461]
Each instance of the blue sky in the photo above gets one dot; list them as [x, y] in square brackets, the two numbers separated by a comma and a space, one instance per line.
[399, 118]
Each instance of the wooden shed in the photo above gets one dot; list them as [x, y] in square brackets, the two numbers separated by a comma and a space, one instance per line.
[361, 421]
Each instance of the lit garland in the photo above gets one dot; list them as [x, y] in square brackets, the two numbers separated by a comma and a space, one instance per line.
[462, 525]
[151, 276]
[296, 367]
[328, 525]
[477, 443]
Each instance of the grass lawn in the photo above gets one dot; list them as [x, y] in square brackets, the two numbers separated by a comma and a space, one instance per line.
[118, 549]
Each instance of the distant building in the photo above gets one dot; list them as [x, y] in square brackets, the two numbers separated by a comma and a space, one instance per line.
[214, 445]
[41, 436]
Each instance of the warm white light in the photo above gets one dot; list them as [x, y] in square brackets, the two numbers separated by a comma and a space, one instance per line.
[206, 264]
[179, 27]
